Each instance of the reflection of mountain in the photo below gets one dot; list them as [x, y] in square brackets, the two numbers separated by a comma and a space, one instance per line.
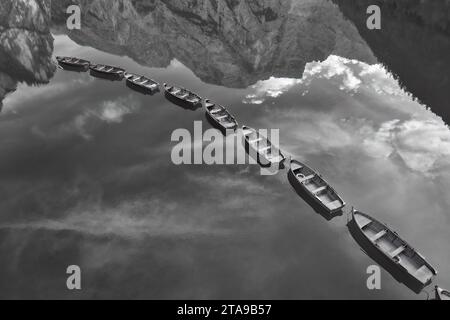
[413, 43]
[25, 43]
[231, 42]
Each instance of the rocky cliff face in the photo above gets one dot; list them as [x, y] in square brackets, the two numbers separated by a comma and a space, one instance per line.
[413, 43]
[26, 44]
[227, 42]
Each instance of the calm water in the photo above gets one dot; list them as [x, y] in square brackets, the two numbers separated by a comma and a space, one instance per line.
[86, 178]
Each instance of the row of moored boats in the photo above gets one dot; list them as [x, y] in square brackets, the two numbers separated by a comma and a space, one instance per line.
[373, 236]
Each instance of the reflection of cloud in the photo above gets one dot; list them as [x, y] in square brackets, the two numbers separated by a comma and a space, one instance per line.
[225, 182]
[108, 111]
[272, 87]
[423, 145]
[140, 218]
[378, 143]
[113, 111]
[241, 194]
[347, 75]
[311, 131]
[54, 90]
[336, 68]
[131, 219]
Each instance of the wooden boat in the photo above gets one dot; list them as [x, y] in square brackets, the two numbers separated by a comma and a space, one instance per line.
[441, 294]
[316, 187]
[142, 82]
[72, 62]
[183, 96]
[107, 70]
[266, 153]
[399, 255]
[220, 116]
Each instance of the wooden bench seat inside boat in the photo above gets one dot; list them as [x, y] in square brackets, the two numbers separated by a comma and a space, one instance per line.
[228, 124]
[274, 158]
[302, 178]
[423, 274]
[334, 204]
[246, 132]
[216, 110]
[192, 99]
[379, 235]
[397, 251]
[320, 189]
[255, 140]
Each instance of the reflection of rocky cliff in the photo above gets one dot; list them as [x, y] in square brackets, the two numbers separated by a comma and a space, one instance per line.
[413, 43]
[227, 42]
[26, 44]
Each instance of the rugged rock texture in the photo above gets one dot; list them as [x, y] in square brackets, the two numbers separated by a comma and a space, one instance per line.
[227, 42]
[26, 44]
[413, 43]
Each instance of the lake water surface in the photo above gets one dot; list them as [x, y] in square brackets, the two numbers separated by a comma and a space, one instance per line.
[86, 178]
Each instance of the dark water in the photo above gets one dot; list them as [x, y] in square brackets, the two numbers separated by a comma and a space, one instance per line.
[86, 175]
[86, 179]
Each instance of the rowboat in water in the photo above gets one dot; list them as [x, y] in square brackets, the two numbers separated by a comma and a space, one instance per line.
[220, 116]
[441, 294]
[73, 63]
[316, 187]
[376, 237]
[182, 96]
[106, 71]
[266, 154]
[141, 82]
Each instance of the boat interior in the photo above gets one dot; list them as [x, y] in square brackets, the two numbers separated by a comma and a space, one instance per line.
[219, 113]
[272, 154]
[262, 145]
[249, 133]
[184, 94]
[395, 248]
[209, 104]
[107, 69]
[141, 80]
[317, 187]
[73, 60]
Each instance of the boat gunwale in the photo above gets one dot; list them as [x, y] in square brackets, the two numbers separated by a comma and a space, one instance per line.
[432, 269]
[234, 121]
[82, 62]
[166, 85]
[246, 138]
[117, 71]
[317, 174]
[140, 76]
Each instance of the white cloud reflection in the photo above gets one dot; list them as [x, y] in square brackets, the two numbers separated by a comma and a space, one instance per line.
[348, 75]
[133, 219]
[273, 87]
[397, 127]
[82, 124]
